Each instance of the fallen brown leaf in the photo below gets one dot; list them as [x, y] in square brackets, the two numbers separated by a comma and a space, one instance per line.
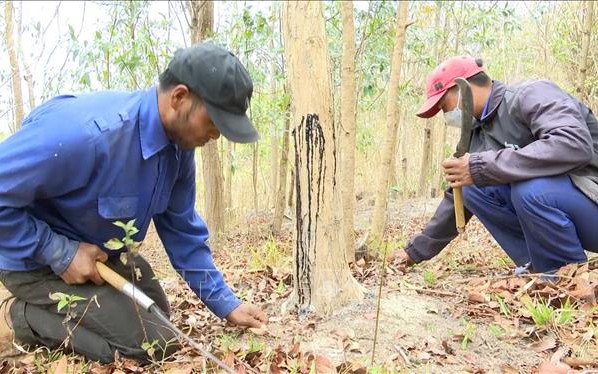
[476, 297]
[549, 342]
[59, 367]
[508, 369]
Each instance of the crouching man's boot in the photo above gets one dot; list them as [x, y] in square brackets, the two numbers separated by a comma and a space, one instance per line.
[7, 334]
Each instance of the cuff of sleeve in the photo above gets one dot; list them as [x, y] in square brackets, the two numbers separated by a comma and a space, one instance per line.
[477, 165]
[222, 303]
[58, 253]
[414, 254]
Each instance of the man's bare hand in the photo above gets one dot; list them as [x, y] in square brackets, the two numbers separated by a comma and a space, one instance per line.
[247, 315]
[401, 257]
[457, 171]
[83, 267]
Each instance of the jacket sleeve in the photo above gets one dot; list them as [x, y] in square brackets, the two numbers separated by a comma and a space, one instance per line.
[43, 160]
[185, 237]
[438, 233]
[563, 140]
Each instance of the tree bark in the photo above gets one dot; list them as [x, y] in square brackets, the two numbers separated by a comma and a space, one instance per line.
[274, 135]
[282, 180]
[202, 24]
[426, 161]
[228, 178]
[439, 129]
[392, 121]
[585, 48]
[14, 66]
[27, 72]
[322, 279]
[348, 103]
[254, 175]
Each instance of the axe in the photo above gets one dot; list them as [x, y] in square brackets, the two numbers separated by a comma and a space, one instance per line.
[144, 301]
[463, 146]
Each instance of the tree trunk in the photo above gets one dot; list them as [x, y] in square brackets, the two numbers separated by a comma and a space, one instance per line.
[228, 192]
[254, 175]
[17, 93]
[282, 180]
[426, 161]
[348, 102]
[291, 198]
[202, 23]
[27, 76]
[322, 279]
[585, 48]
[439, 129]
[392, 121]
[274, 135]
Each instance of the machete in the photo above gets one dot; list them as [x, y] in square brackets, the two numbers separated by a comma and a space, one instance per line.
[466, 100]
[144, 301]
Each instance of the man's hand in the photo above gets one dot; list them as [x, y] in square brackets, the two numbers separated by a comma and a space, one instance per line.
[401, 257]
[83, 267]
[457, 171]
[247, 315]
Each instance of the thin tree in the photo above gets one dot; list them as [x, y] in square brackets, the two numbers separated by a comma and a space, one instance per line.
[279, 204]
[15, 73]
[202, 25]
[348, 102]
[392, 121]
[322, 279]
[585, 48]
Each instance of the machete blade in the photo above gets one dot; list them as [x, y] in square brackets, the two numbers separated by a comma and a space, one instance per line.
[466, 116]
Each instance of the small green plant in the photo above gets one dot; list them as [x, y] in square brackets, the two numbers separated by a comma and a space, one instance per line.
[545, 315]
[64, 300]
[150, 348]
[127, 241]
[504, 308]
[254, 346]
[467, 335]
[430, 278]
[504, 261]
[227, 342]
[269, 254]
[496, 330]
[280, 287]
[565, 313]
[541, 311]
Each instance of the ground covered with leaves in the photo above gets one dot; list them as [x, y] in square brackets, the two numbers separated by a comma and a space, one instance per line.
[464, 311]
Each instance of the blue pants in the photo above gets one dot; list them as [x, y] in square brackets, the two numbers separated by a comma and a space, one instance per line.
[545, 221]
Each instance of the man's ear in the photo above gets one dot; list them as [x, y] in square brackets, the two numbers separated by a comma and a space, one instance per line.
[177, 96]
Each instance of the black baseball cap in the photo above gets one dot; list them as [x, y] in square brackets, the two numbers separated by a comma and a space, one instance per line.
[223, 84]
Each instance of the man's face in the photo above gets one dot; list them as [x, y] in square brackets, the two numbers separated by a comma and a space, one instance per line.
[450, 100]
[191, 125]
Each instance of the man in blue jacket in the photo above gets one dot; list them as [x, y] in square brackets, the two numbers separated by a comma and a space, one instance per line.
[531, 174]
[82, 162]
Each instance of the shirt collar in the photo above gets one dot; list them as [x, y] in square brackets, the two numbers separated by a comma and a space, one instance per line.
[496, 95]
[151, 130]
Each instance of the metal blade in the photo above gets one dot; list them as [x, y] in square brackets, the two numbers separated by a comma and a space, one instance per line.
[466, 116]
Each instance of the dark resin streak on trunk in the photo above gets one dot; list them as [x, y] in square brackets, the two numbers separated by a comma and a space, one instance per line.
[309, 143]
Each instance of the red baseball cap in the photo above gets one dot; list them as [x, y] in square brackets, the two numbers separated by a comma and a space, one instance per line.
[443, 78]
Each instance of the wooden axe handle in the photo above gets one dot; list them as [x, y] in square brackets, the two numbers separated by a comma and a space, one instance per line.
[110, 276]
[459, 209]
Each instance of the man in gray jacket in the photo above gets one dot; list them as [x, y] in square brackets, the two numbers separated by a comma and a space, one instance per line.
[531, 174]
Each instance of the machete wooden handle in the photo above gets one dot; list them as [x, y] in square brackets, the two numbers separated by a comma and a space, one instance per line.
[111, 276]
[459, 209]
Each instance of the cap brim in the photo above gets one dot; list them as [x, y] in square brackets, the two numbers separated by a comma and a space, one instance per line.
[430, 106]
[235, 127]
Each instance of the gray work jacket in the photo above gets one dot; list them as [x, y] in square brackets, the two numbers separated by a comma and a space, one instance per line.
[532, 129]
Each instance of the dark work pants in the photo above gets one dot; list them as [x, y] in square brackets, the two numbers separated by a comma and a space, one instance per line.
[547, 222]
[97, 332]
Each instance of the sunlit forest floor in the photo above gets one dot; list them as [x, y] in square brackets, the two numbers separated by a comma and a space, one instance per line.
[464, 311]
